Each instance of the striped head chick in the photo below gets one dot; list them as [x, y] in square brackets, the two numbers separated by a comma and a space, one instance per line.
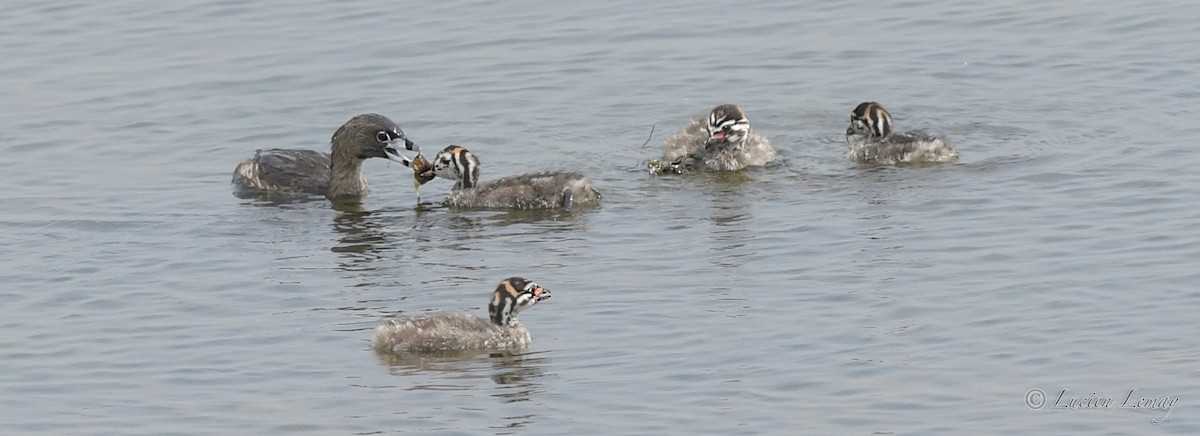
[513, 296]
[727, 127]
[871, 141]
[537, 190]
[871, 120]
[458, 164]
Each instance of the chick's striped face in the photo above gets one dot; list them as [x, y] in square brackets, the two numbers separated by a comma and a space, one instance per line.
[727, 123]
[870, 119]
[513, 296]
[458, 164]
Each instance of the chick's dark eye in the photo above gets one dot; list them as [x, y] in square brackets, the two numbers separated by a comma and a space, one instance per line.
[382, 137]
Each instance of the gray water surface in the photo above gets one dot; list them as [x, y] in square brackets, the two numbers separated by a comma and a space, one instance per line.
[810, 296]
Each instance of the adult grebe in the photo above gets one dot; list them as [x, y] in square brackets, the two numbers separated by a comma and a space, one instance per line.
[336, 174]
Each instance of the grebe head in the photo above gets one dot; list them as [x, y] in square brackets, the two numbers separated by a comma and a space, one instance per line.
[458, 164]
[370, 135]
[513, 296]
[870, 119]
[727, 125]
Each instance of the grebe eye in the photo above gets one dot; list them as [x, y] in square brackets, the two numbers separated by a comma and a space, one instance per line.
[382, 136]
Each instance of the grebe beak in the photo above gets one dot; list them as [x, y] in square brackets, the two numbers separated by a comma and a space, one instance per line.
[393, 154]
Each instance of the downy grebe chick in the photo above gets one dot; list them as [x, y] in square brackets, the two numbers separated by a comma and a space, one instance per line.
[542, 190]
[722, 142]
[446, 331]
[335, 174]
[872, 141]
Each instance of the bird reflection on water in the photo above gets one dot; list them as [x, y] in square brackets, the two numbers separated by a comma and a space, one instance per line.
[517, 376]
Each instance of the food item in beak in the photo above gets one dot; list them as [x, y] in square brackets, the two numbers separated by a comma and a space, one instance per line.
[422, 172]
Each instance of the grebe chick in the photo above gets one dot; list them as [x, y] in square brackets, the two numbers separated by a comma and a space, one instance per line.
[872, 141]
[542, 190]
[447, 331]
[335, 174]
[722, 142]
